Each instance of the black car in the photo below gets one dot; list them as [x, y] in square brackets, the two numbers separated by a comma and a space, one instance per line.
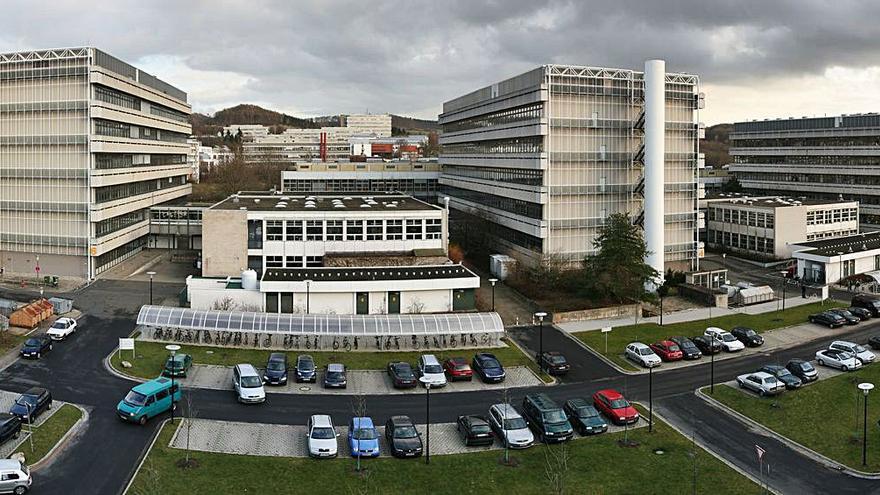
[35, 347]
[554, 363]
[305, 369]
[803, 370]
[870, 302]
[584, 417]
[403, 438]
[850, 318]
[862, 313]
[874, 342]
[10, 426]
[688, 349]
[783, 375]
[29, 405]
[829, 319]
[276, 369]
[488, 367]
[747, 336]
[706, 345]
[334, 376]
[402, 375]
[475, 430]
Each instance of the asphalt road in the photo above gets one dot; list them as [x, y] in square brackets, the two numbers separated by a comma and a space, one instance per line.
[102, 458]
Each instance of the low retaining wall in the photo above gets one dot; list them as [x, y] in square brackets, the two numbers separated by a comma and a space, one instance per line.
[623, 311]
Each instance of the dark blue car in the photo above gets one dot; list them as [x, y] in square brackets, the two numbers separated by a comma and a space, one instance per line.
[488, 367]
[35, 347]
[585, 417]
[31, 404]
[276, 369]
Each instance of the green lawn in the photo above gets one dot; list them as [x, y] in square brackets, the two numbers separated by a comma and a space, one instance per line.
[652, 332]
[596, 465]
[150, 357]
[49, 433]
[825, 416]
[9, 341]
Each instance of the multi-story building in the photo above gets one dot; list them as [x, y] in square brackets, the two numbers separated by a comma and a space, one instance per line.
[415, 178]
[293, 145]
[840, 260]
[548, 155]
[768, 227]
[376, 125]
[712, 180]
[247, 130]
[88, 143]
[824, 158]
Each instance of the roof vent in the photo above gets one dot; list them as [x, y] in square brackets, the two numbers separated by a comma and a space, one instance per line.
[256, 200]
[310, 205]
[285, 198]
[365, 205]
[235, 199]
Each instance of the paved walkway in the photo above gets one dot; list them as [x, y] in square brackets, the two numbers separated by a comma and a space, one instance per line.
[513, 308]
[276, 440]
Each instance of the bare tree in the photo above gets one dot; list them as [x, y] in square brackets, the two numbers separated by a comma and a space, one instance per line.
[505, 399]
[556, 461]
[151, 480]
[416, 306]
[191, 412]
[223, 304]
[359, 409]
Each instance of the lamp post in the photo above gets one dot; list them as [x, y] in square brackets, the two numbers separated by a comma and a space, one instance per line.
[650, 399]
[865, 388]
[427, 383]
[493, 281]
[712, 364]
[724, 268]
[172, 348]
[840, 266]
[308, 293]
[151, 274]
[541, 315]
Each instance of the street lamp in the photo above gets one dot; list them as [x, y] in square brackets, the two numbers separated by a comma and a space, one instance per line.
[151, 274]
[724, 267]
[541, 315]
[840, 266]
[712, 364]
[172, 348]
[493, 281]
[427, 383]
[308, 290]
[650, 399]
[865, 388]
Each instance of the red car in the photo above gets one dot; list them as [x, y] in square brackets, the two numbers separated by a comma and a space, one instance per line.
[667, 350]
[612, 404]
[457, 368]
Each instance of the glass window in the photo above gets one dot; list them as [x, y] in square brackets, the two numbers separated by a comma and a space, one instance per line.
[374, 230]
[255, 234]
[433, 228]
[414, 229]
[274, 261]
[394, 230]
[314, 261]
[354, 230]
[274, 230]
[334, 230]
[294, 262]
[314, 230]
[294, 229]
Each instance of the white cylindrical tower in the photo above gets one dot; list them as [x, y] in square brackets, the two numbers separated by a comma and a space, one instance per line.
[655, 163]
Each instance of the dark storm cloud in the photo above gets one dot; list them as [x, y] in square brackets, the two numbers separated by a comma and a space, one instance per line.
[408, 56]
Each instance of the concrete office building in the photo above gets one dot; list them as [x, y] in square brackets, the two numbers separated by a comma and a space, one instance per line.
[370, 124]
[88, 143]
[831, 261]
[548, 155]
[247, 130]
[824, 158]
[415, 178]
[296, 145]
[769, 227]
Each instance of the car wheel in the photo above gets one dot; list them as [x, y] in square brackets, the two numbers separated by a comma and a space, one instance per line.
[16, 434]
[741, 384]
[761, 392]
[844, 368]
[821, 363]
[20, 490]
[143, 420]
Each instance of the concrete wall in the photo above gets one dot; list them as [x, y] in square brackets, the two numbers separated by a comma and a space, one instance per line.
[224, 242]
[204, 293]
[23, 264]
[623, 311]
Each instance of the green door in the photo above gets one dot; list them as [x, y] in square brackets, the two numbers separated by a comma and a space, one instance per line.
[394, 303]
[463, 300]
[363, 303]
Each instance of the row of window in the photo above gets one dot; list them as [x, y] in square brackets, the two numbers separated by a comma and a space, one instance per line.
[808, 159]
[104, 161]
[294, 261]
[116, 256]
[517, 206]
[411, 229]
[118, 129]
[830, 234]
[823, 217]
[529, 144]
[44, 73]
[122, 99]
[464, 221]
[184, 214]
[831, 179]
[509, 116]
[530, 177]
[111, 225]
[419, 187]
[742, 217]
[121, 191]
[836, 141]
[741, 241]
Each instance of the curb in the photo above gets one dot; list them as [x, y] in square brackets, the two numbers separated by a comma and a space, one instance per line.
[749, 422]
[62, 442]
[119, 374]
[144, 455]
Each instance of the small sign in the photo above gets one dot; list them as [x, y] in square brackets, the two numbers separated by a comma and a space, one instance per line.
[126, 344]
[606, 329]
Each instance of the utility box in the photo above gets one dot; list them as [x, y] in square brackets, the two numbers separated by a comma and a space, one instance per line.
[61, 305]
[501, 265]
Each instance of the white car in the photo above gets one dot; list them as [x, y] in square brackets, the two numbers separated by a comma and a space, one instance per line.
[842, 360]
[62, 328]
[642, 354]
[322, 437]
[728, 342]
[248, 384]
[429, 368]
[510, 427]
[862, 354]
[761, 383]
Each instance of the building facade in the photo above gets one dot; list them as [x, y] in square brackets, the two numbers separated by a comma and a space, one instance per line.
[825, 158]
[295, 145]
[545, 157]
[832, 261]
[88, 143]
[378, 125]
[415, 178]
[768, 227]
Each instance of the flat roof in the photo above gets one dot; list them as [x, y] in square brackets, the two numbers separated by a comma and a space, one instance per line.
[349, 274]
[775, 201]
[267, 201]
[867, 241]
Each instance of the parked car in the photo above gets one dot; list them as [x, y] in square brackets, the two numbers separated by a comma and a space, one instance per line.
[276, 369]
[510, 427]
[177, 365]
[874, 342]
[862, 313]
[429, 369]
[402, 375]
[706, 345]
[29, 405]
[488, 368]
[667, 350]
[761, 383]
[474, 430]
[248, 384]
[322, 437]
[782, 374]
[827, 319]
[642, 354]
[10, 426]
[403, 438]
[613, 405]
[728, 342]
[584, 417]
[546, 418]
[62, 328]
[868, 301]
[689, 350]
[862, 354]
[803, 370]
[363, 439]
[749, 337]
[843, 360]
[850, 318]
[554, 363]
[334, 376]
[457, 368]
[148, 399]
[15, 477]
[35, 347]
[305, 369]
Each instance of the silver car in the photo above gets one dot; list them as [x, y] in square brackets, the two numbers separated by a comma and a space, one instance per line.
[510, 427]
[761, 383]
[15, 477]
[862, 354]
[842, 360]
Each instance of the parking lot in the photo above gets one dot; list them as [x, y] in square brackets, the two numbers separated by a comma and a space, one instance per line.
[7, 399]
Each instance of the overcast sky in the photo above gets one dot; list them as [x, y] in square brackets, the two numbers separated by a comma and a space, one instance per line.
[756, 59]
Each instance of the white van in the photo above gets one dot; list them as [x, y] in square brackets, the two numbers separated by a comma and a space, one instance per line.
[15, 477]
[248, 384]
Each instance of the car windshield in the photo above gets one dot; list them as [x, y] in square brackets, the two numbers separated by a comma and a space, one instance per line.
[514, 424]
[335, 375]
[32, 342]
[490, 363]
[462, 366]
[876, 304]
[687, 344]
[770, 380]
[61, 325]
[619, 403]
[174, 363]
[251, 382]
[645, 351]
[433, 368]
[748, 332]
[782, 372]
[365, 434]
[806, 366]
[323, 433]
[727, 337]
[405, 432]
[26, 400]
[275, 366]
[306, 364]
[403, 370]
[480, 428]
[556, 416]
[587, 412]
[673, 348]
[135, 398]
[557, 359]
[859, 348]
[844, 355]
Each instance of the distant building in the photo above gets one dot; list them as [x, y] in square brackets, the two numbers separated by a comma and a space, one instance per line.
[293, 145]
[830, 261]
[192, 157]
[417, 178]
[247, 130]
[712, 180]
[376, 125]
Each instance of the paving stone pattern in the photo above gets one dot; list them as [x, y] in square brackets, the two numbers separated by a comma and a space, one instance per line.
[7, 399]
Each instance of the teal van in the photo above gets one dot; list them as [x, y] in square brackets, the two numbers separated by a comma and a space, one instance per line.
[148, 399]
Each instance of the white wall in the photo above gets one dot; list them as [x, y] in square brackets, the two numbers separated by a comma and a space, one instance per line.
[431, 301]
